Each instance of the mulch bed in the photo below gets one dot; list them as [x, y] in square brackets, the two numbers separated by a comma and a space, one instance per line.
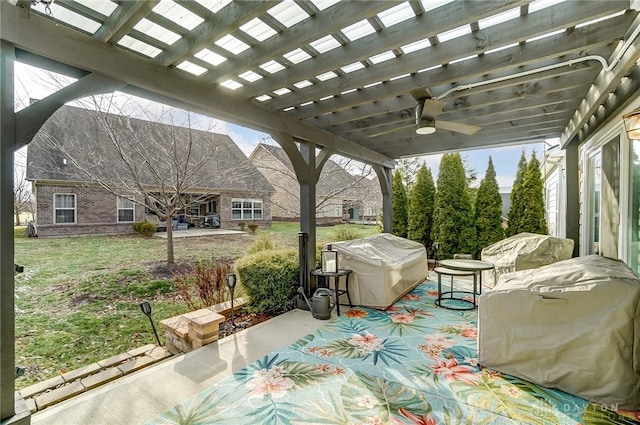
[241, 321]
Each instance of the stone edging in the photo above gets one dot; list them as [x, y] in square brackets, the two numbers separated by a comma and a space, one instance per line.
[57, 389]
[199, 331]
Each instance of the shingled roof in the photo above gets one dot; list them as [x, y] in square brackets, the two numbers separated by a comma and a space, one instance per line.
[333, 175]
[78, 132]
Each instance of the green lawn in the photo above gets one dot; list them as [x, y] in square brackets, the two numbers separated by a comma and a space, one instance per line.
[78, 300]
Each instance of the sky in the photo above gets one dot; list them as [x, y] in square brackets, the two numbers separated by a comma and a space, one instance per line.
[37, 84]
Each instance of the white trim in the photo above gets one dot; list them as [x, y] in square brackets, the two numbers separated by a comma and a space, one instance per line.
[552, 210]
[562, 199]
[253, 208]
[614, 128]
[587, 206]
[75, 208]
[118, 208]
[624, 238]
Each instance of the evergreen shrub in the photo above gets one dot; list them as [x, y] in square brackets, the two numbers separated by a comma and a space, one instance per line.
[269, 280]
[262, 244]
[399, 206]
[345, 234]
[144, 228]
[421, 203]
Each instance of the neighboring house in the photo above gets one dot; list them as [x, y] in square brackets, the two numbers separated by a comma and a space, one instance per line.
[553, 175]
[505, 194]
[69, 203]
[340, 196]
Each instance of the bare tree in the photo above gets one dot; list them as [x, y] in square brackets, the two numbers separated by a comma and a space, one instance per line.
[22, 197]
[164, 168]
[408, 168]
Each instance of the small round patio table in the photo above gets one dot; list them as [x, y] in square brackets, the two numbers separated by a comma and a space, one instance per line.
[462, 300]
[475, 266]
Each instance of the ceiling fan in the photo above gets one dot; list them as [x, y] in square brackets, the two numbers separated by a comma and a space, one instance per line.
[426, 111]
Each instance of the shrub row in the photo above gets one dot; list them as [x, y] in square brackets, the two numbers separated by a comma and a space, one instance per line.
[269, 277]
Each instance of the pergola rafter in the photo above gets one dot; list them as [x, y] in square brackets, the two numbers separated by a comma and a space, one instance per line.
[551, 71]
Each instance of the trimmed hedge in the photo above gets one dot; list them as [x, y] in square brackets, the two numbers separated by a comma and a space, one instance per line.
[144, 228]
[345, 234]
[269, 279]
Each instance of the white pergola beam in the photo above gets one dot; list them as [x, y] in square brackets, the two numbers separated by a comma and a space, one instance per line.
[530, 56]
[227, 20]
[605, 83]
[557, 82]
[547, 20]
[40, 36]
[123, 19]
[30, 120]
[426, 25]
[331, 20]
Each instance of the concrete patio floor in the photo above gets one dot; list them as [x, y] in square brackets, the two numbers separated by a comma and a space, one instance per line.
[143, 395]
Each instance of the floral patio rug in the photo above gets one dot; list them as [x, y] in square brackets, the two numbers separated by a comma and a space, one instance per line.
[412, 364]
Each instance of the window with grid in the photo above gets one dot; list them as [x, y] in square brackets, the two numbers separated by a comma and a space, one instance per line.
[246, 209]
[126, 210]
[64, 208]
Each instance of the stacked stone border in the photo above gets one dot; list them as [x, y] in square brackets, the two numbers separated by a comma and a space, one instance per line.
[187, 332]
[194, 330]
[54, 390]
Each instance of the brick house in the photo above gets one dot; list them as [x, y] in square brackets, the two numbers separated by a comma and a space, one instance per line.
[69, 202]
[339, 194]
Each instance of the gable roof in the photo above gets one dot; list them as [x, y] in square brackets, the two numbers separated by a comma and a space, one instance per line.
[78, 133]
[332, 177]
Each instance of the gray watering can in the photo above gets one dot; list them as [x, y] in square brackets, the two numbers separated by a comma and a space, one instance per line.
[321, 304]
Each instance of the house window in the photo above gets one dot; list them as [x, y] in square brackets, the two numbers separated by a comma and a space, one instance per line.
[246, 209]
[64, 208]
[126, 210]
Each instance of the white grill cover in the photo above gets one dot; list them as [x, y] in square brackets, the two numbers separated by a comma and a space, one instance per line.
[385, 267]
[524, 251]
[573, 325]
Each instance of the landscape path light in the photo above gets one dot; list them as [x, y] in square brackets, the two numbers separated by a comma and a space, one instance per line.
[146, 309]
[232, 280]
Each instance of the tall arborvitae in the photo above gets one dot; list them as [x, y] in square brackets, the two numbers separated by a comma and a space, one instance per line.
[453, 225]
[399, 206]
[421, 208]
[534, 219]
[488, 211]
[516, 210]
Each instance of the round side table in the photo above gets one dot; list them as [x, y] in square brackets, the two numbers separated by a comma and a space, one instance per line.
[455, 295]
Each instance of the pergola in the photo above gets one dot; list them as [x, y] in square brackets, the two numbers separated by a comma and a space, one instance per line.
[338, 77]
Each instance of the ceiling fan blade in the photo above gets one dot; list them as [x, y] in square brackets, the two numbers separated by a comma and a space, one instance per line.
[419, 94]
[458, 127]
[432, 108]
